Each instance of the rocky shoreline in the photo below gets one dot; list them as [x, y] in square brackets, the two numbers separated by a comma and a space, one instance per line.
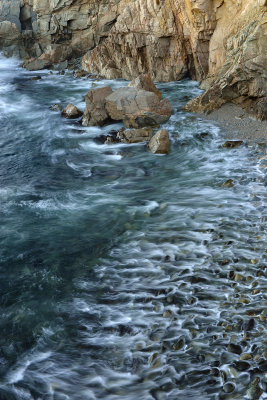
[139, 106]
[219, 43]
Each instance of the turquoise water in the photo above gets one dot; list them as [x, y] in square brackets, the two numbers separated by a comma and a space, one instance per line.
[117, 272]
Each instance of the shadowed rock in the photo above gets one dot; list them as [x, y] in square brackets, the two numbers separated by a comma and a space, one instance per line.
[95, 112]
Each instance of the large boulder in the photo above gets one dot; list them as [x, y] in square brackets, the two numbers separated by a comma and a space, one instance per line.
[135, 135]
[160, 142]
[137, 108]
[95, 112]
[71, 112]
[145, 82]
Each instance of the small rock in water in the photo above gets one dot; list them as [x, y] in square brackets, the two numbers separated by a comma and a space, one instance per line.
[231, 144]
[36, 78]
[55, 107]
[229, 387]
[249, 325]
[245, 357]
[71, 112]
[228, 184]
[254, 392]
[234, 348]
[80, 73]
[160, 142]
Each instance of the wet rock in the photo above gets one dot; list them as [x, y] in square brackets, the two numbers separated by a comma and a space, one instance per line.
[111, 140]
[254, 392]
[80, 73]
[231, 144]
[229, 387]
[71, 112]
[242, 365]
[36, 78]
[135, 135]
[249, 325]
[234, 348]
[228, 184]
[145, 82]
[160, 142]
[55, 107]
[95, 111]
[245, 357]
[137, 108]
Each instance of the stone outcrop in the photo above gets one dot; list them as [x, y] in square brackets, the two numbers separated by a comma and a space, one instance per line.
[219, 42]
[95, 112]
[137, 108]
[145, 82]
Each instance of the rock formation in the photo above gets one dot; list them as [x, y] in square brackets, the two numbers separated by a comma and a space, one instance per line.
[219, 42]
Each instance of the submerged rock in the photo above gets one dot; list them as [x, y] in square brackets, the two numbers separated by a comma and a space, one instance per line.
[36, 78]
[80, 73]
[135, 135]
[228, 184]
[230, 144]
[71, 112]
[137, 108]
[160, 142]
[95, 111]
[55, 107]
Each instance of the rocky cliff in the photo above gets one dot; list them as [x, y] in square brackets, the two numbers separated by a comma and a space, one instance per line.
[219, 42]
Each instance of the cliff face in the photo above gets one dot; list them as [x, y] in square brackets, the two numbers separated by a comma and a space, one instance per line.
[219, 42]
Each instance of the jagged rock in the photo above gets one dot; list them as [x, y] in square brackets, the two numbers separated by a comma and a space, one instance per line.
[160, 142]
[95, 112]
[135, 135]
[137, 108]
[145, 82]
[71, 112]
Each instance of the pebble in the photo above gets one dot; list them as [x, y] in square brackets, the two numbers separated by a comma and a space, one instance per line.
[229, 387]
[234, 348]
[255, 392]
[245, 356]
